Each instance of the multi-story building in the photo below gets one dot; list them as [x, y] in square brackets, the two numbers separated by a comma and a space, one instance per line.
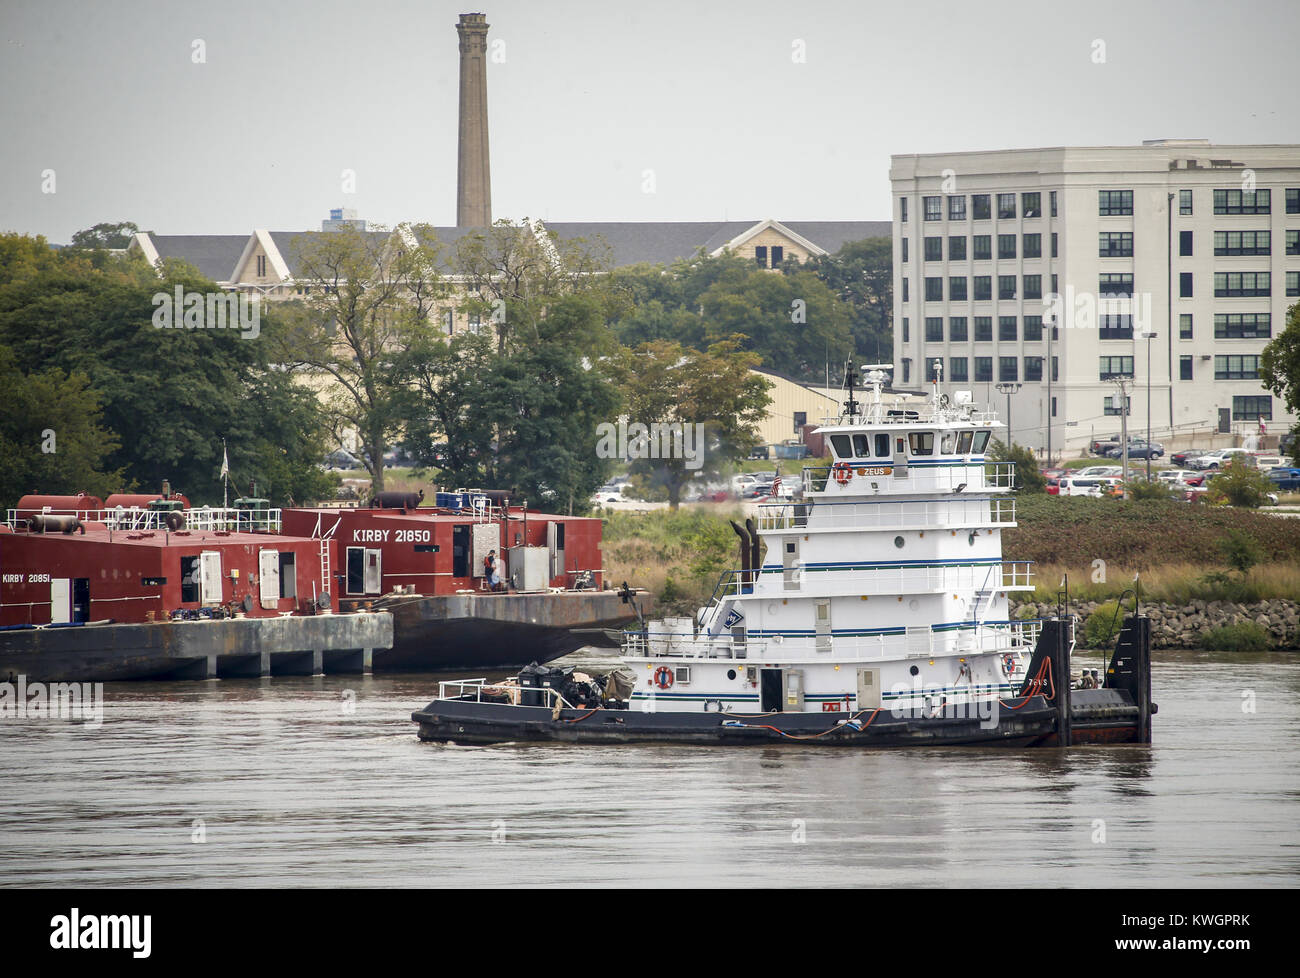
[1172, 265]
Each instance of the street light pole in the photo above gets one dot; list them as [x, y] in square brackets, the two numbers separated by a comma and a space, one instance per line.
[1008, 388]
[1150, 336]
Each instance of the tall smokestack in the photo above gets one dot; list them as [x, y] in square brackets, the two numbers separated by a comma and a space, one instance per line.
[473, 180]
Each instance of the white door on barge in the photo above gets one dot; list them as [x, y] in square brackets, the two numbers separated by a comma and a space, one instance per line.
[868, 689]
[268, 577]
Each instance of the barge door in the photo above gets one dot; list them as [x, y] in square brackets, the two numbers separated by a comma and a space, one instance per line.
[771, 690]
[460, 550]
[868, 689]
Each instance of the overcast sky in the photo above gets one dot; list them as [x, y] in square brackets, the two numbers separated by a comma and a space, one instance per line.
[587, 97]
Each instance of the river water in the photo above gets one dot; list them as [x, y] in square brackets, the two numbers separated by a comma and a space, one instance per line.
[322, 782]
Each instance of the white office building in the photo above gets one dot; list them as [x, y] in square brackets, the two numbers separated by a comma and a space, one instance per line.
[1174, 263]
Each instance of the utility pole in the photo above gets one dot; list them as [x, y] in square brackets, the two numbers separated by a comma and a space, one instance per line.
[1169, 319]
[1051, 328]
[1150, 336]
[1008, 389]
[1122, 383]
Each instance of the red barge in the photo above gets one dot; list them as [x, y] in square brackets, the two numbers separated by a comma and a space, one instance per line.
[101, 589]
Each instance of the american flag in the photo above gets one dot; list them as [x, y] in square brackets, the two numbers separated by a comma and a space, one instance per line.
[776, 484]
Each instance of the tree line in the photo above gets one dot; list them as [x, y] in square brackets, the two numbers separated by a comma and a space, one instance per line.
[101, 400]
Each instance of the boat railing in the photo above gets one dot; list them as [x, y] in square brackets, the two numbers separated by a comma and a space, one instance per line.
[472, 690]
[921, 641]
[988, 576]
[136, 518]
[876, 474]
[941, 514]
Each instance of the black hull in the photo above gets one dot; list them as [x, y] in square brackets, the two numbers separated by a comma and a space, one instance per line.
[494, 631]
[469, 722]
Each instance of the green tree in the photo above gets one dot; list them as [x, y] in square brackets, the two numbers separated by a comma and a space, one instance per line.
[861, 273]
[668, 384]
[371, 297]
[1029, 477]
[1279, 364]
[105, 236]
[51, 438]
[1237, 484]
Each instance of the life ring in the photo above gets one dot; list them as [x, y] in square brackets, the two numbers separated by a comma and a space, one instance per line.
[1008, 665]
[663, 677]
[843, 472]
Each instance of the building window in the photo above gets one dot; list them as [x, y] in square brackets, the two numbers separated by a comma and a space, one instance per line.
[1033, 329]
[1115, 284]
[1293, 200]
[1252, 408]
[934, 289]
[1184, 285]
[902, 204]
[760, 255]
[800, 419]
[983, 247]
[1033, 369]
[957, 208]
[1054, 248]
[1033, 286]
[957, 371]
[933, 208]
[1293, 243]
[1115, 203]
[906, 297]
[1053, 402]
[1055, 290]
[1008, 369]
[906, 330]
[1184, 368]
[957, 332]
[1051, 199]
[957, 288]
[1242, 201]
[1056, 375]
[1115, 367]
[934, 329]
[983, 370]
[1292, 283]
[1007, 328]
[1115, 326]
[932, 370]
[449, 321]
[1185, 202]
[1243, 243]
[1243, 325]
[934, 249]
[1185, 326]
[1032, 204]
[1006, 207]
[1242, 284]
[778, 255]
[983, 329]
[1115, 244]
[1185, 244]
[1006, 246]
[261, 266]
[475, 323]
[1236, 366]
[1110, 405]
[979, 205]
[1006, 286]
[982, 286]
[904, 249]
[1033, 246]
[957, 248]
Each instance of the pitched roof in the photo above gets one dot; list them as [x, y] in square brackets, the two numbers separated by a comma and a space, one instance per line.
[214, 255]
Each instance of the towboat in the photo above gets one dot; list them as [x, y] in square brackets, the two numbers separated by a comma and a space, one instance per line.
[870, 610]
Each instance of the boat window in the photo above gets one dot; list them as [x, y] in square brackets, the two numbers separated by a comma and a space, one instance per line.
[981, 441]
[882, 445]
[841, 445]
[922, 442]
[948, 443]
[900, 445]
[963, 442]
[861, 448]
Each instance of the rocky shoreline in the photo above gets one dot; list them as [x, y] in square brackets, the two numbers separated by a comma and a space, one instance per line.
[1181, 626]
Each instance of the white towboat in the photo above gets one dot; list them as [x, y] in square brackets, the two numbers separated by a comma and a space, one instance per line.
[871, 608]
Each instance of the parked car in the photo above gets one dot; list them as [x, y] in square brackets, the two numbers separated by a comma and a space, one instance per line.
[1096, 471]
[1219, 458]
[1266, 461]
[1100, 446]
[1182, 457]
[759, 452]
[1286, 478]
[759, 490]
[608, 494]
[1137, 448]
[341, 459]
[1054, 485]
[1098, 487]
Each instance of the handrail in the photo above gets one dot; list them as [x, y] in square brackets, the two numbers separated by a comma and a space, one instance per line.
[139, 518]
[478, 685]
[874, 514]
[901, 642]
